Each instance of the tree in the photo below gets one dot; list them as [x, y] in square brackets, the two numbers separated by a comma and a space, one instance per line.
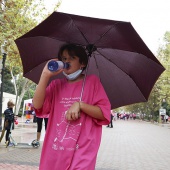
[16, 18]
[161, 89]
[8, 86]
[164, 56]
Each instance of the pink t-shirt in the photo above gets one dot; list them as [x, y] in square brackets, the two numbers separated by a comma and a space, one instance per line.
[72, 145]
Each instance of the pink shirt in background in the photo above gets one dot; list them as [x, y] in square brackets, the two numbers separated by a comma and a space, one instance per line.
[72, 145]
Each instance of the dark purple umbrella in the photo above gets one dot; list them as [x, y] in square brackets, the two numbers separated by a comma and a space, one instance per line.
[117, 55]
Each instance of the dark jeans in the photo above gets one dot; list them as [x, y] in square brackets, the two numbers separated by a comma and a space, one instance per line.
[7, 135]
[111, 121]
[39, 123]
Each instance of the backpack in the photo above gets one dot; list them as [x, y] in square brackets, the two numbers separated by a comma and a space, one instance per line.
[9, 115]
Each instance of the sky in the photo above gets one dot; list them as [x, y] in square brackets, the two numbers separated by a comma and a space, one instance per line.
[150, 18]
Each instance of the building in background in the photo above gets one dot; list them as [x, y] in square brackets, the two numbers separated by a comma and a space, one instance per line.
[6, 98]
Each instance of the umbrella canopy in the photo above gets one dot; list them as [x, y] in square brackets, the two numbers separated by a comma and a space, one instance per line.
[117, 55]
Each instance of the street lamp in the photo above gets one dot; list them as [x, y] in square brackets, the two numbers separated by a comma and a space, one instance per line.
[2, 82]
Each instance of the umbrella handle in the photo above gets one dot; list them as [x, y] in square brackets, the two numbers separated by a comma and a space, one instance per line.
[82, 89]
[90, 48]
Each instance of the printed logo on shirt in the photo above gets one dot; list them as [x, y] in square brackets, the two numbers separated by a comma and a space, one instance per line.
[67, 133]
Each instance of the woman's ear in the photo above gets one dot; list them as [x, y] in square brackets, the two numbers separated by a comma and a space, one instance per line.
[83, 65]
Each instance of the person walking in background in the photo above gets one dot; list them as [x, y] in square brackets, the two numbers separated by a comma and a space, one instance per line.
[111, 119]
[127, 116]
[9, 121]
[134, 116]
[75, 124]
[114, 116]
[39, 120]
[166, 118]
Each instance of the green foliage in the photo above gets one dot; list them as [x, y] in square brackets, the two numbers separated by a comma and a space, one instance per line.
[17, 17]
[30, 93]
[164, 56]
[8, 86]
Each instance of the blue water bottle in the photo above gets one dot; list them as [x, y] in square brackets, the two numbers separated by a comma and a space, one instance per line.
[57, 65]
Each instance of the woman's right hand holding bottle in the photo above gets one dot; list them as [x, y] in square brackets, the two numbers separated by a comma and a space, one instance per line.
[48, 73]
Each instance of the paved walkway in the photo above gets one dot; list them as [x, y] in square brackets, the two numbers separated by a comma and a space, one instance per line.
[23, 156]
[135, 145]
[130, 145]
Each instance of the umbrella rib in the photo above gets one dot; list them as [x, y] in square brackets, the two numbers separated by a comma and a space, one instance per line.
[86, 75]
[107, 31]
[96, 64]
[122, 71]
[78, 29]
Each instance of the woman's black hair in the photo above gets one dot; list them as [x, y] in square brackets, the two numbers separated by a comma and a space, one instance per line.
[74, 50]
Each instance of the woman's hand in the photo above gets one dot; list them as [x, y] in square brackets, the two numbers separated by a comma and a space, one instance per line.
[73, 113]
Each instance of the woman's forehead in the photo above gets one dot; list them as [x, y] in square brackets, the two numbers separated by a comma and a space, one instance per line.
[67, 53]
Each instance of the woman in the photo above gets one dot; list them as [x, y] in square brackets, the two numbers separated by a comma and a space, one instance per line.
[74, 127]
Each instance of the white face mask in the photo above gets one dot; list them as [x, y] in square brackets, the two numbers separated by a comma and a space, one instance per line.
[74, 75]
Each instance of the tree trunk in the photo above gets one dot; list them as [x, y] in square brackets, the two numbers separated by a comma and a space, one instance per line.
[25, 86]
[15, 87]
